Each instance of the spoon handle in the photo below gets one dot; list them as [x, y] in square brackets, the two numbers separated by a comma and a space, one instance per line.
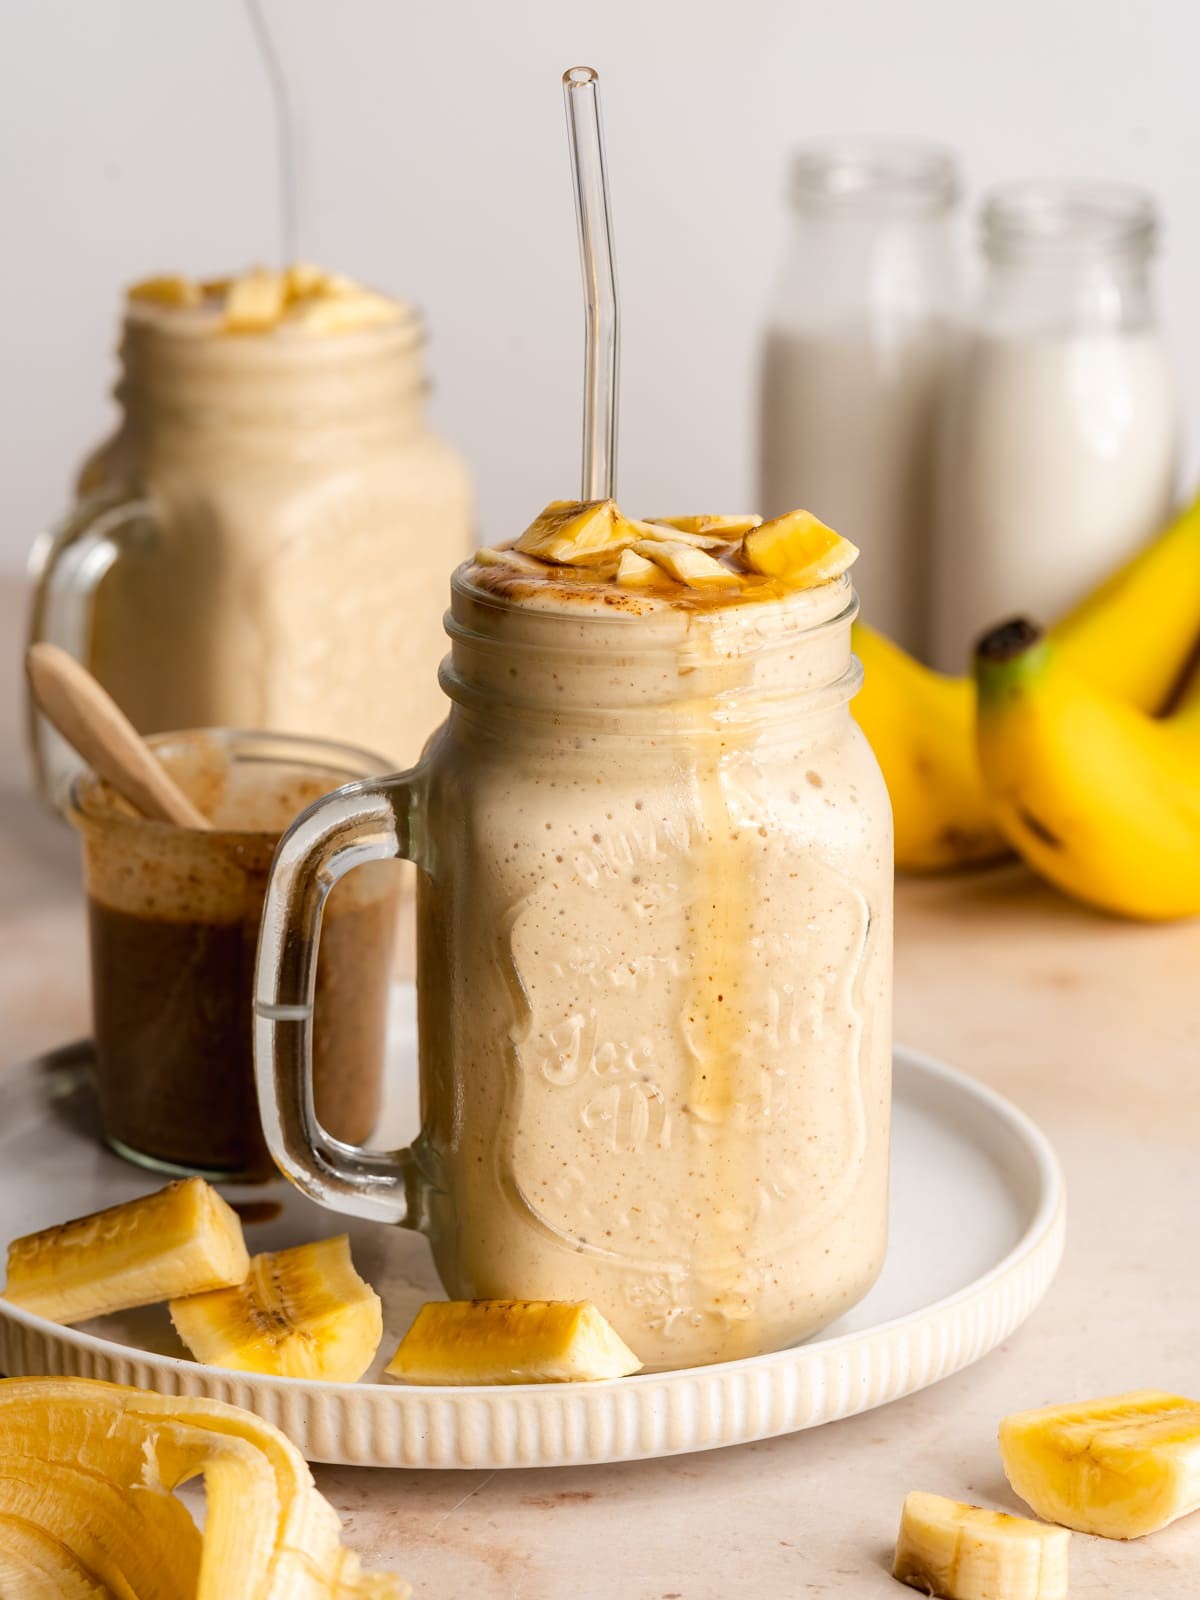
[96, 728]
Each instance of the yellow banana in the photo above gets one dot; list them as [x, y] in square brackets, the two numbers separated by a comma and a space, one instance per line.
[1099, 798]
[1134, 635]
[921, 726]
[1131, 637]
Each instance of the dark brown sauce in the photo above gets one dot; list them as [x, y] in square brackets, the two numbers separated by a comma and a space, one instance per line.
[255, 1211]
[172, 1006]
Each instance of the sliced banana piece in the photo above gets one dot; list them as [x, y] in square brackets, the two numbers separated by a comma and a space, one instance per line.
[488, 556]
[511, 1341]
[182, 1240]
[254, 302]
[695, 568]
[342, 312]
[304, 281]
[1121, 1467]
[709, 531]
[964, 1552]
[634, 571]
[301, 1313]
[799, 548]
[576, 532]
[166, 290]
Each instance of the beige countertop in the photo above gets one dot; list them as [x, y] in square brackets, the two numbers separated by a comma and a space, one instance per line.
[1091, 1026]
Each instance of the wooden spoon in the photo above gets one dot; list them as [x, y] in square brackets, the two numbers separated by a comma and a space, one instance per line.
[96, 728]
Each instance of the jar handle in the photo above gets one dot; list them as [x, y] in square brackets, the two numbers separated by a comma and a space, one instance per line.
[67, 565]
[373, 821]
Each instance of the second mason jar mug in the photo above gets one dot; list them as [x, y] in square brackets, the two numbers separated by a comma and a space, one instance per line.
[654, 970]
[272, 519]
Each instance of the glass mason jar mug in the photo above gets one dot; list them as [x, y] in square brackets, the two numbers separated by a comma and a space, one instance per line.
[654, 970]
[272, 519]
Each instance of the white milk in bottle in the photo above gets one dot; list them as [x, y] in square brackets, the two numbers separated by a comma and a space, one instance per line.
[855, 359]
[1058, 447]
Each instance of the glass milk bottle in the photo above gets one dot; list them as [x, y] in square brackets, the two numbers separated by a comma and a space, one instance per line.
[855, 357]
[1058, 454]
[266, 540]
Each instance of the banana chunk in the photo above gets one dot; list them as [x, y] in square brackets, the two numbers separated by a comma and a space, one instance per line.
[1121, 1467]
[634, 571]
[576, 532]
[695, 568]
[182, 1240]
[342, 312]
[707, 531]
[489, 556]
[169, 289]
[255, 302]
[511, 1341]
[301, 1313]
[304, 281]
[798, 547]
[964, 1552]
[87, 1509]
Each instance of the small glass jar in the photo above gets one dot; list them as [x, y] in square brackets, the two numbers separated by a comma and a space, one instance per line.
[1058, 450]
[654, 969]
[266, 541]
[173, 920]
[860, 334]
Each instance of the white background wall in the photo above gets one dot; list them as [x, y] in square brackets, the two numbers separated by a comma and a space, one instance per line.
[136, 135]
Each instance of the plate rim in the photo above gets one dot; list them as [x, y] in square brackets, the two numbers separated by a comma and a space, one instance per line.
[1040, 1245]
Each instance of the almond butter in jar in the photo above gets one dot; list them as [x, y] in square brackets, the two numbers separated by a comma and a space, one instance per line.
[266, 540]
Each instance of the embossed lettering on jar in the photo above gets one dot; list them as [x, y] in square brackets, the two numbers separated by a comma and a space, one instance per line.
[656, 966]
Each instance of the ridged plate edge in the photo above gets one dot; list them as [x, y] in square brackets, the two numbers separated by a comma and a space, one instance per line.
[663, 1414]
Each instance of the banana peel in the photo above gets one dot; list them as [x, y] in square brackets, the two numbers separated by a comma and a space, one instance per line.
[87, 1509]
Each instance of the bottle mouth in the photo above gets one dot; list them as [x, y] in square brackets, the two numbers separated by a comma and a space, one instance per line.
[874, 177]
[1056, 219]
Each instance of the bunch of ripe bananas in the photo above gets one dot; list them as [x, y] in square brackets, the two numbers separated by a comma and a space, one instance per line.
[1078, 746]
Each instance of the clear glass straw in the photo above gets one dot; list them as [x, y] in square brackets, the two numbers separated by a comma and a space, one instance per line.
[287, 134]
[582, 95]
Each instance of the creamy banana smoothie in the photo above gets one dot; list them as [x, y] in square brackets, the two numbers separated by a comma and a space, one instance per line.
[655, 935]
[654, 924]
[266, 540]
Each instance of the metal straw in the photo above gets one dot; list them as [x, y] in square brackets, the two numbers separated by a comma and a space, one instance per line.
[582, 95]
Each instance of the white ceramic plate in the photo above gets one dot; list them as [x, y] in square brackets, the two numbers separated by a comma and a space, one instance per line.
[977, 1233]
